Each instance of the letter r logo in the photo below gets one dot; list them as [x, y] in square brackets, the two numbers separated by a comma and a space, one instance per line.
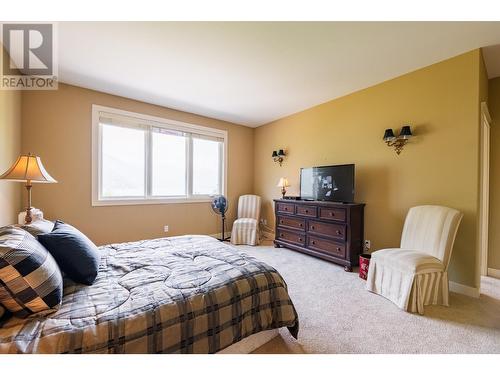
[29, 49]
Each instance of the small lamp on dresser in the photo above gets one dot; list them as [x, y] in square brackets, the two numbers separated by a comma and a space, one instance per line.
[283, 184]
[28, 169]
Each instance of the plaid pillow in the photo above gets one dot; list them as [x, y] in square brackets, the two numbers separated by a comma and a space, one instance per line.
[30, 280]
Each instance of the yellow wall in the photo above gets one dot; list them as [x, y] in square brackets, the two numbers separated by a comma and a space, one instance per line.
[10, 146]
[438, 166]
[57, 127]
[494, 233]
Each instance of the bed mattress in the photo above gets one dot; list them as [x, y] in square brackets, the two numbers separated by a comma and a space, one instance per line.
[187, 294]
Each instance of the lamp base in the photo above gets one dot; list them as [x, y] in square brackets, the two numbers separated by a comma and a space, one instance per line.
[28, 218]
[36, 214]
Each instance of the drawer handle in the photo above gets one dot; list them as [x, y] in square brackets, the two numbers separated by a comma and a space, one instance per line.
[300, 225]
[338, 232]
[281, 221]
[332, 214]
[338, 248]
[312, 227]
[281, 234]
[306, 211]
[300, 239]
[314, 242]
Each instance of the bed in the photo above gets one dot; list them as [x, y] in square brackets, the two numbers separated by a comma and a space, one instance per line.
[186, 294]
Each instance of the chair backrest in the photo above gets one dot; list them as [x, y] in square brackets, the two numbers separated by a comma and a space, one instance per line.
[432, 230]
[249, 207]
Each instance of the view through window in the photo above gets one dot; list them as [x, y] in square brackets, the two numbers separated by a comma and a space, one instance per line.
[143, 159]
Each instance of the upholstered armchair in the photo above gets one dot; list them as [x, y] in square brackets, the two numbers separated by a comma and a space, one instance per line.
[246, 228]
[416, 274]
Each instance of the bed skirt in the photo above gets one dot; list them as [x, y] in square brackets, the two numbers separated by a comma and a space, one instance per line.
[251, 343]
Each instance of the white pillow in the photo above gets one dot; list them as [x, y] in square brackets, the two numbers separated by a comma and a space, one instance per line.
[38, 227]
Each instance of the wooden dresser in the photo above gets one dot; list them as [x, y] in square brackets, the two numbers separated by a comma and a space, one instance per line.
[327, 230]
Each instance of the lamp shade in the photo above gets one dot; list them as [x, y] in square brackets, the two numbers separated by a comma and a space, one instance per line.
[405, 132]
[275, 154]
[389, 135]
[28, 168]
[283, 182]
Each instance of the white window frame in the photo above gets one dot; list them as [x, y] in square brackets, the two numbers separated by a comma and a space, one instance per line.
[98, 200]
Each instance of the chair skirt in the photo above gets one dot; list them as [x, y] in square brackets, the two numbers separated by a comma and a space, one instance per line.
[245, 233]
[408, 290]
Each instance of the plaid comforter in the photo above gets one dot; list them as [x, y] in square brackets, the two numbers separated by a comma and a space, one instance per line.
[187, 294]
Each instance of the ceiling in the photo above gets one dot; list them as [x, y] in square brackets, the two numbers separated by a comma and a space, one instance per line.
[251, 73]
[491, 55]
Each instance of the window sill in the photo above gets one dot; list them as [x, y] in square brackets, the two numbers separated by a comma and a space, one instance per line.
[145, 202]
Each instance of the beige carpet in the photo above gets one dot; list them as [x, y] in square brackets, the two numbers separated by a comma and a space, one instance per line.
[337, 315]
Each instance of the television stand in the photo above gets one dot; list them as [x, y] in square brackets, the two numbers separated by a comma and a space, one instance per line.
[327, 230]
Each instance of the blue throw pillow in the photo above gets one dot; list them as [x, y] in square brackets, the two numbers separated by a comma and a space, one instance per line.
[76, 255]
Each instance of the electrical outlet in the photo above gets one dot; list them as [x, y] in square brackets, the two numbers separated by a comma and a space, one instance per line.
[368, 244]
[165, 228]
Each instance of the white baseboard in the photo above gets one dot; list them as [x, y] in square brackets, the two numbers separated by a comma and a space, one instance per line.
[464, 289]
[493, 272]
[267, 234]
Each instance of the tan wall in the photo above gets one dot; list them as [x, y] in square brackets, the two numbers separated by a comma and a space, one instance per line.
[57, 126]
[439, 166]
[494, 224]
[10, 147]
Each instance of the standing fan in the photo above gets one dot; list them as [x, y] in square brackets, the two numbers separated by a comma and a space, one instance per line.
[219, 206]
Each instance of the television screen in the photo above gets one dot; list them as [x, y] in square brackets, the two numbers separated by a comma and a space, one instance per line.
[330, 183]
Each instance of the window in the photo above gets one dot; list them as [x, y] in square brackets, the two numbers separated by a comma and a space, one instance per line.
[206, 166]
[140, 159]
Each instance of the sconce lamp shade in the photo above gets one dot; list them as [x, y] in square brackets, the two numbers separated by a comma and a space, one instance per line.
[28, 168]
[283, 182]
[279, 156]
[389, 135]
[405, 132]
[400, 141]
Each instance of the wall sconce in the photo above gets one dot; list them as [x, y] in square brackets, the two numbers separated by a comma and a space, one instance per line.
[397, 142]
[279, 156]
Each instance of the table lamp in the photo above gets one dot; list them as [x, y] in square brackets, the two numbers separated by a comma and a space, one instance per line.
[283, 184]
[28, 169]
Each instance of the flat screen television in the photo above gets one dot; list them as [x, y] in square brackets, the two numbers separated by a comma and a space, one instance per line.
[329, 183]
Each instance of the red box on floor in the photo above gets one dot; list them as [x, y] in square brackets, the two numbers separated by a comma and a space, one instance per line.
[364, 263]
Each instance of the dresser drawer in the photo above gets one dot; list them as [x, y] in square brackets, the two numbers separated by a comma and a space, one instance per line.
[287, 208]
[327, 229]
[309, 211]
[326, 246]
[293, 237]
[291, 222]
[337, 214]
